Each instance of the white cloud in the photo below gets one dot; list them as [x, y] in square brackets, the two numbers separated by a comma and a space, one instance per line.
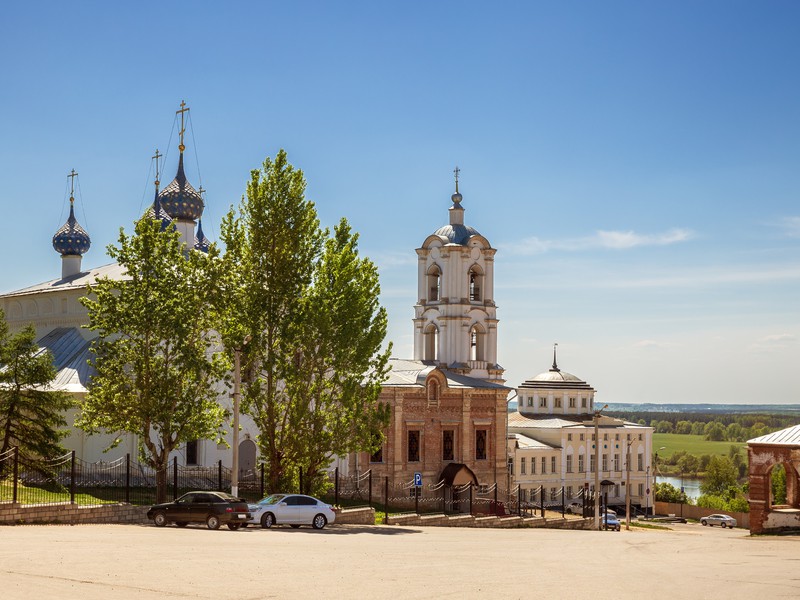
[791, 225]
[775, 341]
[612, 240]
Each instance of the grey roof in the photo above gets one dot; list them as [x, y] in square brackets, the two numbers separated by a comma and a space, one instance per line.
[77, 281]
[516, 419]
[413, 373]
[456, 234]
[556, 379]
[526, 443]
[71, 358]
[784, 437]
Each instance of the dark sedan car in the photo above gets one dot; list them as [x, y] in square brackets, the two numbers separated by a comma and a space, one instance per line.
[211, 508]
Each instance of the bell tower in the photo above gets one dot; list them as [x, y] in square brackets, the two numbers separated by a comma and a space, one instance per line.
[455, 323]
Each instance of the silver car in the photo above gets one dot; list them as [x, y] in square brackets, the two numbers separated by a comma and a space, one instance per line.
[721, 520]
[291, 509]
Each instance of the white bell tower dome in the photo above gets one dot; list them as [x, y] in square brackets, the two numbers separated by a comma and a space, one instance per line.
[455, 322]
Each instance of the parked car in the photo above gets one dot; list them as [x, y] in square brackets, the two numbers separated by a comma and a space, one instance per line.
[721, 520]
[575, 508]
[611, 522]
[211, 508]
[291, 509]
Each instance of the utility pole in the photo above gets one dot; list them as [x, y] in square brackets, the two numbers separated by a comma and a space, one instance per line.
[628, 490]
[597, 466]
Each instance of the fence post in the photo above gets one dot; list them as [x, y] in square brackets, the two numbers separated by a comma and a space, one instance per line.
[519, 500]
[219, 475]
[386, 497]
[336, 487]
[370, 488]
[416, 499]
[128, 478]
[541, 499]
[495, 497]
[175, 478]
[563, 509]
[16, 474]
[262, 479]
[470, 497]
[72, 479]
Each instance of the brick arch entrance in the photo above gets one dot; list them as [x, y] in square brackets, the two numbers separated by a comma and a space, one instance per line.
[456, 477]
[764, 453]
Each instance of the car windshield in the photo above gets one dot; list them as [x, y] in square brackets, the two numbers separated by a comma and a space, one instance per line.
[273, 499]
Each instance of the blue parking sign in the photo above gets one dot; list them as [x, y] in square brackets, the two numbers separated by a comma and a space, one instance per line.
[418, 479]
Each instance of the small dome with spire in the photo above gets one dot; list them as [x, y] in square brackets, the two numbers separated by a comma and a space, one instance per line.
[201, 242]
[179, 199]
[71, 239]
[156, 211]
[456, 232]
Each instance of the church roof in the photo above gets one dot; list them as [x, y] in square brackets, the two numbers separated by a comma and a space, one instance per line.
[71, 239]
[77, 281]
[71, 358]
[555, 378]
[526, 443]
[456, 234]
[180, 199]
[784, 437]
[412, 373]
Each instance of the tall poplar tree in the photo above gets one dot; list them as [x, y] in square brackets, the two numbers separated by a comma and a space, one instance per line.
[31, 414]
[276, 313]
[157, 360]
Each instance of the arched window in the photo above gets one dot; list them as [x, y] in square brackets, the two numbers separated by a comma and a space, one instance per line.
[433, 392]
[434, 283]
[431, 343]
[476, 343]
[475, 283]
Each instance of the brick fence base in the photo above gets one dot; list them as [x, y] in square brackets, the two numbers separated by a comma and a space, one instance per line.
[71, 514]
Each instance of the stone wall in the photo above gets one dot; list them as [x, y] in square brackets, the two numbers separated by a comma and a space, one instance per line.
[72, 514]
[689, 511]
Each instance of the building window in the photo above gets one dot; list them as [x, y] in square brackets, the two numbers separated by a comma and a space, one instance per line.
[640, 461]
[474, 285]
[552, 464]
[640, 437]
[530, 400]
[569, 463]
[476, 343]
[569, 437]
[191, 452]
[433, 393]
[581, 437]
[413, 446]
[533, 465]
[542, 402]
[572, 402]
[605, 462]
[593, 436]
[511, 466]
[522, 466]
[605, 437]
[448, 444]
[616, 437]
[580, 463]
[616, 462]
[591, 404]
[629, 437]
[583, 402]
[431, 342]
[592, 462]
[616, 490]
[544, 465]
[377, 456]
[480, 444]
[641, 490]
[558, 402]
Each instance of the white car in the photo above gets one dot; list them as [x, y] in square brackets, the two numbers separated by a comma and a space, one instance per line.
[721, 520]
[291, 509]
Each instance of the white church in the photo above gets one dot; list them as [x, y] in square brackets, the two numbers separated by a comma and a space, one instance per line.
[449, 402]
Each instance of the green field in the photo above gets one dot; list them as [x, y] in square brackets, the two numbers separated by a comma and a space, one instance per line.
[693, 444]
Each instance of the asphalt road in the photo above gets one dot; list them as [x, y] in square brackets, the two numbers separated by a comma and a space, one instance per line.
[87, 562]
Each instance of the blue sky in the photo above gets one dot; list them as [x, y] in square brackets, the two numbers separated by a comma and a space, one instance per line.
[637, 164]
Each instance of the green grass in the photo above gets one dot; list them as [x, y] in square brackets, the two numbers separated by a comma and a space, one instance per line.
[693, 444]
[33, 495]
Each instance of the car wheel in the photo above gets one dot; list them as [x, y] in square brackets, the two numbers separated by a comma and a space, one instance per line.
[723, 525]
[268, 520]
[234, 526]
[704, 523]
[319, 522]
[160, 519]
[181, 523]
[213, 522]
[295, 526]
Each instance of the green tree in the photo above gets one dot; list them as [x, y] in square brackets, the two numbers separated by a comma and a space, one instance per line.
[31, 415]
[157, 370]
[697, 428]
[734, 433]
[285, 283]
[683, 427]
[666, 492]
[778, 483]
[715, 431]
[689, 464]
[719, 476]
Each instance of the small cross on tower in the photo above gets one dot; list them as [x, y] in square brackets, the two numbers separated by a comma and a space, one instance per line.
[72, 176]
[456, 171]
[156, 156]
[183, 109]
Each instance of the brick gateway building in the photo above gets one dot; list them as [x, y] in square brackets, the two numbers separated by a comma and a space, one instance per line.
[764, 453]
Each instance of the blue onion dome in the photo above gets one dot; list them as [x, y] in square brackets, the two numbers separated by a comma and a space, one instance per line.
[180, 199]
[156, 211]
[201, 242]
[71, 239]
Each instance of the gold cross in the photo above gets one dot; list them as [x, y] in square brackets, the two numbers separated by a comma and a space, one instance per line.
[183, 109]
[157, 156]
[72, 176]
[456, 171]
[201, 191]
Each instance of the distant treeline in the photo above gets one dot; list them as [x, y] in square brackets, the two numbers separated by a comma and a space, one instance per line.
[713, 426]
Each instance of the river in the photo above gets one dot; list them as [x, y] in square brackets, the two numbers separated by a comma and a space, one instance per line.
[690, 486]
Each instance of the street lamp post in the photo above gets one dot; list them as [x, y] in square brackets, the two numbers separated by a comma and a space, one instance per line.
[237, 385]
[655, 468]
[597, 466]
